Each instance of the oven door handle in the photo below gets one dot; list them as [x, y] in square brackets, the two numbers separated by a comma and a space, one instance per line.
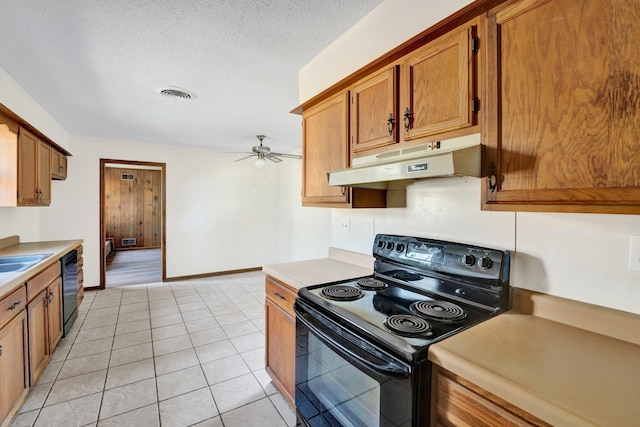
[384, 365]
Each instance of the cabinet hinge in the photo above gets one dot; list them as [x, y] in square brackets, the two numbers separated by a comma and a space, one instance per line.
[475, 105]
[475, 44]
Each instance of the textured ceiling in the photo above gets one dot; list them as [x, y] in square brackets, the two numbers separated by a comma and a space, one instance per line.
[96, 65]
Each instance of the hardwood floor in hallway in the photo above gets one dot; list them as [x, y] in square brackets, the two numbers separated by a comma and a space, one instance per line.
[134, 267]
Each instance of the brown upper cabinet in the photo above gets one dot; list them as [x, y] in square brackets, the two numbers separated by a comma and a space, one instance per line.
[429, 94]
[563, 107]
[26, 159]
[438, 90]
[58, 165]
[34, 170]
[325, 148]
[374, 111]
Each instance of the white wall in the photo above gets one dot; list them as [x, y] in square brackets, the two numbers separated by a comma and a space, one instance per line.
[221, 215]
[577, 256]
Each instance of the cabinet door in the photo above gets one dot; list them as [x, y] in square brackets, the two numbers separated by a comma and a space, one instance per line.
[54, 313]
[374, 111]
[58, 165]
[564, 106]
[13, 365]
[38, 335]
[27, 171]
[44, 174]
[280, 349]
[437, 93]
[325, 149]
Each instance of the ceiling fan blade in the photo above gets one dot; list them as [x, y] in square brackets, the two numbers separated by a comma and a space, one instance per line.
[273, 158]
[288, 156]
[245, 158]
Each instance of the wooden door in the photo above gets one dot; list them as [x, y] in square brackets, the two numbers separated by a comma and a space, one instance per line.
[44, 173]
[325, 148]
[27, 170]
[280, 349]
[564, 106]
[374, 111]
[54, 313]
[38, 335]
[13, 364]
[438, 86]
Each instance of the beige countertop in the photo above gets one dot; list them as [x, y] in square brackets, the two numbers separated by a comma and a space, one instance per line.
[11, 246]
[339, 265]
[565, 374]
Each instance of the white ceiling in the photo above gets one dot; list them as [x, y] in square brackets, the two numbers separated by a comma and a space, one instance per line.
[96, 65]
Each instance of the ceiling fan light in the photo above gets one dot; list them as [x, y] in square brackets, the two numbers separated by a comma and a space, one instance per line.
[259, 163]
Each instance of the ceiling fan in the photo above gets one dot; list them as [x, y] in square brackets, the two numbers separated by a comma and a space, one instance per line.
[263, 152]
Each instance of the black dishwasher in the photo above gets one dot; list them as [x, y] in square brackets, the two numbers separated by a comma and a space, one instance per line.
[69, 289]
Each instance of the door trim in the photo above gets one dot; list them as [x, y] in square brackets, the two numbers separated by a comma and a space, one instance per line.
[163, 194]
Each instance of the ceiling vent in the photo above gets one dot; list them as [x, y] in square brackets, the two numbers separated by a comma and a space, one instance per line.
[176, 93]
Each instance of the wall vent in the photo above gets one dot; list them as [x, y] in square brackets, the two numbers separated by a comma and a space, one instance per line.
[127, 177]
[130, 241]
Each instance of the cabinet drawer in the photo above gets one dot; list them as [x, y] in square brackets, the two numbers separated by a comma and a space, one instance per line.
[12, 304]
[280, 295]
[36, 284]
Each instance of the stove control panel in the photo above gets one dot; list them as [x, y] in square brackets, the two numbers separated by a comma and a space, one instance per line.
[442, 256]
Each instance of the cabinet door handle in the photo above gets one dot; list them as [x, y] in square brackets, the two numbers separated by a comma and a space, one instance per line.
[279, 295]
[0, 350]
[390, 124]
[14, 305]
[407, 119]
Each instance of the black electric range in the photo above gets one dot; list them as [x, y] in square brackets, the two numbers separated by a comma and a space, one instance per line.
[376, 330]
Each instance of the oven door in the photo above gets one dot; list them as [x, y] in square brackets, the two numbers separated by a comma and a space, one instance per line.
[343, 380]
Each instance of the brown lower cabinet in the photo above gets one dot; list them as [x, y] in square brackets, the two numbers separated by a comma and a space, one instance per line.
[45, 327]
[457, 402]
[280, 352]
[31, 323]
[14, 375]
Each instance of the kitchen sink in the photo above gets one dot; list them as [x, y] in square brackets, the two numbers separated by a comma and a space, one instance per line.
[17, 263]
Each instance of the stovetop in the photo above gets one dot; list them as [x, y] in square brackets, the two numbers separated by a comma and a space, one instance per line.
[466, 284]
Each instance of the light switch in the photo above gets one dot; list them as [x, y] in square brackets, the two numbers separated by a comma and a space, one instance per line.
[634, 253]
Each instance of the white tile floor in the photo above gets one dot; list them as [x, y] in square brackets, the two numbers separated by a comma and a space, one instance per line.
[164, 354]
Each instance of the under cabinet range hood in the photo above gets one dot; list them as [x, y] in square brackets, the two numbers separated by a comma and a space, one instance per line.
[453, 157]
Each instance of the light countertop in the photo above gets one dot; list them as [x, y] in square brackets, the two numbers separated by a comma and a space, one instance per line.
[339, 265]
[11, 246]
[563, 374]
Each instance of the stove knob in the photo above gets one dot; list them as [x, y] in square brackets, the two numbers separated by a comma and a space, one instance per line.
[390, 245]
[400, 247]
[485, 263]
[469, 260]
[380, 244]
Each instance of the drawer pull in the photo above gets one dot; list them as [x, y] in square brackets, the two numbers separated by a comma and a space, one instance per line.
[14, 305]
[0, 350]
[279, 295]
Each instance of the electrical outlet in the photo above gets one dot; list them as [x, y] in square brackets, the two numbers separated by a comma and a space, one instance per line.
[369, 226]
[345, 225]
[634, 253]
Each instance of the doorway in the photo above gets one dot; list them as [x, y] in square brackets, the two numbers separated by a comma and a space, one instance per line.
[132, 222]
